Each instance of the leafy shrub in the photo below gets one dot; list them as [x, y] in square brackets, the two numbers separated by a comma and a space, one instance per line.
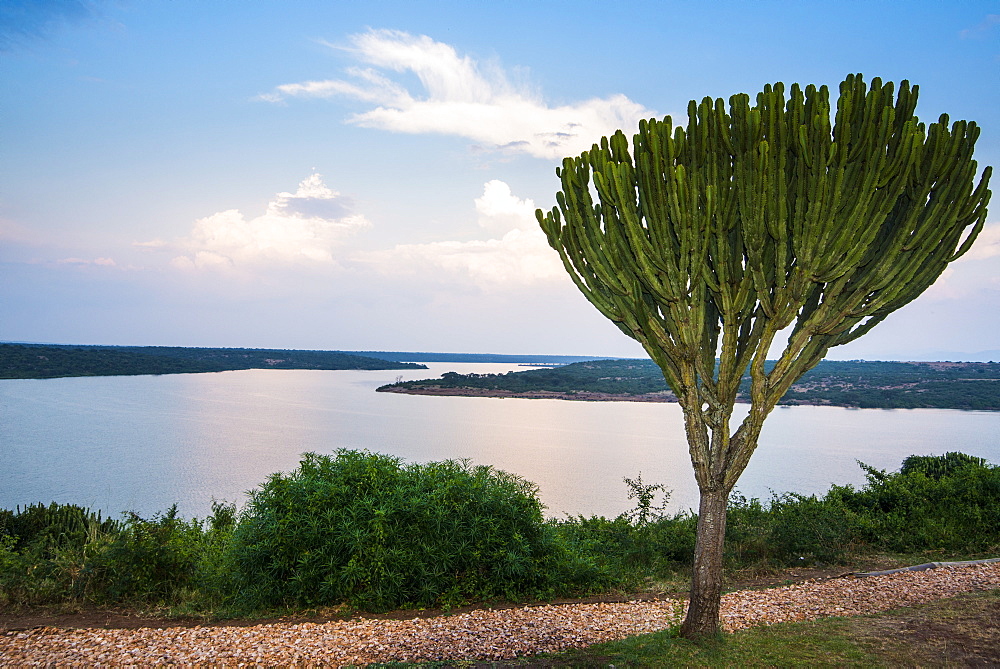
[808, 529]
[791, 529]
[748, 528]
[49, 529]
[608, 546]
[642, 541]
[937, 466]
[212, 569]
[149, 560]
[644, 495]
[65, 552]
[45, 550]
[15, 574]
[366, 529]
[949, 502]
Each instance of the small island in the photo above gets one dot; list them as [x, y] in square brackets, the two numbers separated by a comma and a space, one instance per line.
[48, 361]
[853, 384]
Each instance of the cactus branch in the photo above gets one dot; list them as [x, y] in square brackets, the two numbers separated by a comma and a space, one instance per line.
[711, 242]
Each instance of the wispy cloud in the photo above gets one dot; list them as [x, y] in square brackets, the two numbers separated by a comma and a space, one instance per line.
[301, 227]
[974, 272]
[987, 244]
[103, 262]
[462, 97]
[982, 29]
[518, 257]
[14, 232]
[23, 20]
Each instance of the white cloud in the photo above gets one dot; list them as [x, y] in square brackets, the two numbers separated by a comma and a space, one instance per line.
[987, 244]
[981, 30]
[977, 270]
[301, 227]
[500, 210]
[520, 256]
[104, 262]
[461, 97]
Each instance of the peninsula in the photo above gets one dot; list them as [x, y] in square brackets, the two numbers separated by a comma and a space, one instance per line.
[47, 361]
[855, 384]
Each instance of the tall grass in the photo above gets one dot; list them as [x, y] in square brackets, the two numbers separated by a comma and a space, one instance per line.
[60, 553]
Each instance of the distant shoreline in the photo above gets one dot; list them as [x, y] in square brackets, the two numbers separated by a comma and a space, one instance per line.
[577, 396]
[850, 384]
[26, 361]
[587, 396]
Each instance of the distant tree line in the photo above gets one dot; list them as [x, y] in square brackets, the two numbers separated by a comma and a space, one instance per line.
[860, 384]
[417, 356]
[30, 361]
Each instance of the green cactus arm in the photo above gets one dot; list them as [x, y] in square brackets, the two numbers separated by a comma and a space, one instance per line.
[708, 239]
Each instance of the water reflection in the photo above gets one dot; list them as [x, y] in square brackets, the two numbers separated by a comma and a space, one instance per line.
[146, 442]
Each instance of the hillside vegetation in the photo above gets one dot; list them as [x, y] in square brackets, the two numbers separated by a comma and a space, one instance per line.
[30, 361]
[859, 384]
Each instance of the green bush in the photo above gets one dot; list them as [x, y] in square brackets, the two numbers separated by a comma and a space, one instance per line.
[16, 577]
[642, 541]
[45, 551]
[936, 466]
[370, 531]
[149, 561]
[64, 552]
[809, 530]
[934, 503]
[50, 529]
[365, 529]
[748, 528]
[610, 547]
[949, 502]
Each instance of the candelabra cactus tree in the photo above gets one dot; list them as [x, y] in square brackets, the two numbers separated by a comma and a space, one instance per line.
[757, 226]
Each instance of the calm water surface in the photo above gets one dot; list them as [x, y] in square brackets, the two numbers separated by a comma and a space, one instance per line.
[143, 443]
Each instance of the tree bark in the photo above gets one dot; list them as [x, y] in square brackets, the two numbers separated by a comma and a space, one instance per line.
[706, 582]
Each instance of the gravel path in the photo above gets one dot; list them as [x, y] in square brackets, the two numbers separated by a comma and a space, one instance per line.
[478, 635]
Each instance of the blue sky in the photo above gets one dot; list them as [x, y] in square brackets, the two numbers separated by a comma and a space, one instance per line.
[362, 175]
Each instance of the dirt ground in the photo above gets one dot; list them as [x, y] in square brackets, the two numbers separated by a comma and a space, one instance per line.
[959, 632]
[82, 617]
[942, 625]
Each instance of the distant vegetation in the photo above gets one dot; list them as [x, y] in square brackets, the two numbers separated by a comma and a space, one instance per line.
[30, 361]
[861, 384]
[415, 356]
[372, 532]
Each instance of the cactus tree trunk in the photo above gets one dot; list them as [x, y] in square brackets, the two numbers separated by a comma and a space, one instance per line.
[706, 580]
[706, 242]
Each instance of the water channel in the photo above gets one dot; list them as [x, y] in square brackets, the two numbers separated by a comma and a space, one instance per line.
[143, 443]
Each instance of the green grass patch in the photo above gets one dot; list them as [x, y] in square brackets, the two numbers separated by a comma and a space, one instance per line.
[823, 643]
[960, 631]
